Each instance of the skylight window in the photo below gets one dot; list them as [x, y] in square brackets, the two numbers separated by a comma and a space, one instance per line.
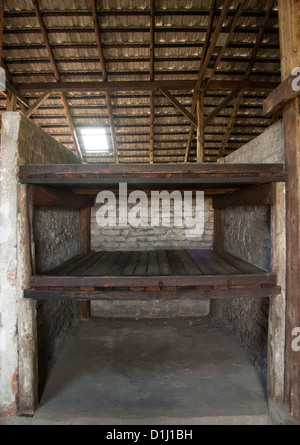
[95, 140]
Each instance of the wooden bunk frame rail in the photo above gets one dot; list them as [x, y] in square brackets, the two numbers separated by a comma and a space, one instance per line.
[199, 293]
[154, 173]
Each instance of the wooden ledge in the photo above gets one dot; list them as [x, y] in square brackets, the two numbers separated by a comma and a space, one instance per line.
[254, 291]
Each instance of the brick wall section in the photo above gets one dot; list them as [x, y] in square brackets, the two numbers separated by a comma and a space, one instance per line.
[247, 235]
[150, 238]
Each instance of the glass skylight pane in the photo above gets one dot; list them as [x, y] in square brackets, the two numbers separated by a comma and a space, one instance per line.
[95, 140]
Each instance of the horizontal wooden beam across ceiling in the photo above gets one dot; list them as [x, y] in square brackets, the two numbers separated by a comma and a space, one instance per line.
[220, 85]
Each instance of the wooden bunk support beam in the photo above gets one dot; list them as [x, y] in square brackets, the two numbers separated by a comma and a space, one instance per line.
[84, 306]
[149, 174]
[204, 293]
[158, 281]
[261, 195]
[49, 196]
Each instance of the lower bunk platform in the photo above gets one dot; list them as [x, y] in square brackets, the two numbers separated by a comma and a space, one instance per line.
[155, 274]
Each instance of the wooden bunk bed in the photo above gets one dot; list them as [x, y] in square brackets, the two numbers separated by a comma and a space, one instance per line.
[162, 274]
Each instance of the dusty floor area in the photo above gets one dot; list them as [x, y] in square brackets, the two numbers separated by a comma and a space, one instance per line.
[120, 372]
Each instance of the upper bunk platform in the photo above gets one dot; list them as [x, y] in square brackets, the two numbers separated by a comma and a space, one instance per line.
[152, 176]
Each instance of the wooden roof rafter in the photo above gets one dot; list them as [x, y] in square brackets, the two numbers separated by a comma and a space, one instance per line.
[152, 78]
[227, 100]
[209, 46]
[248, 73]
[130, 68]
[56, 75]
[204, 52]
[9, 82]
[105, 79]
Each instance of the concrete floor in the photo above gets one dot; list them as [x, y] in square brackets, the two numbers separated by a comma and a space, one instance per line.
[149, 372]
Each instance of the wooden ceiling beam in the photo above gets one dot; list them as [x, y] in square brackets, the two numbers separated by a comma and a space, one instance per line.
[187, 58]
[144, 85]
[105, 78]
[38, 46]
[108, 13]
[128, 30]
[56, 75]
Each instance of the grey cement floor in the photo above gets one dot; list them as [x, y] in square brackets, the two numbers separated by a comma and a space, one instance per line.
[120, 372]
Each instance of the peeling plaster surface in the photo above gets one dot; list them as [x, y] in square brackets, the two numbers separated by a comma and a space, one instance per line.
[21, 142]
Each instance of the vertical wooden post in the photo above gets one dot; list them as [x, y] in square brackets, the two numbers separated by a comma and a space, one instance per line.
[26, 315]
[11, 102]
[289, 19]
[151, 152]
[84, 306]
[200, 127]
[216, 306]
[277, 303]
[219, 230]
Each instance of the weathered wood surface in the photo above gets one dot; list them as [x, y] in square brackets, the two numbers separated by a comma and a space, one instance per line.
[261, 195]
[49, 196]
[146, 175]
[193, 267]
[289, 18]
[150, 171]
[220, 85]
[281, 96]
[199, 294]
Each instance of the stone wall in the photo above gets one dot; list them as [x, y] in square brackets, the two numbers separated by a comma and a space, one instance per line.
[247, 230]
[248, 235]
[23, 142]
[151, 238]
[56, 239]
[56, 236]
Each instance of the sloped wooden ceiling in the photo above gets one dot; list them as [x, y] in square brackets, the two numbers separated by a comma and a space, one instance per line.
[151, 56]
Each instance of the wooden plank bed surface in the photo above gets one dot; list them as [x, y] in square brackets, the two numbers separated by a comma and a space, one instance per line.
[155, 262]
[158, 268]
